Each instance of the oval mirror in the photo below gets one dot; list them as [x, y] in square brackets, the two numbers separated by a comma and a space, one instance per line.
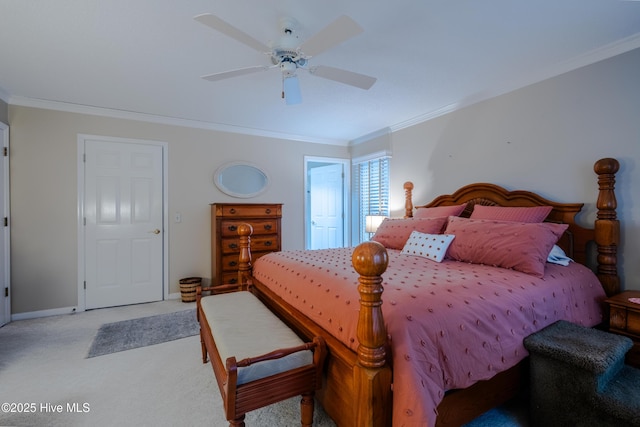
[241, 179]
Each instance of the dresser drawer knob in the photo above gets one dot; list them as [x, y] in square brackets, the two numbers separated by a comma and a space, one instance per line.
[232, 210]
[233, 246]
[268, 227]
[267, 243]
[232, 227]
[233, 263]
[268, 210]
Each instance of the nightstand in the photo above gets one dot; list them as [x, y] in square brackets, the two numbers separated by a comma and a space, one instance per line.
[624, 319]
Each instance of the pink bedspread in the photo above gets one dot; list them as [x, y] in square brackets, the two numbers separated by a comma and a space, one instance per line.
[451, 324]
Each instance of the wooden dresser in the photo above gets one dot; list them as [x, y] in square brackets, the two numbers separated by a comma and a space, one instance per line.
[225, 219]
[624, 319]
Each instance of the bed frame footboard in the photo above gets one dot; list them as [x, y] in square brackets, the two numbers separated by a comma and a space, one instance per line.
[372, 373]
[360, 382]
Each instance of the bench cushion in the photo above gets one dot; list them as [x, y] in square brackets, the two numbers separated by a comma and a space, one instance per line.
[243, 327]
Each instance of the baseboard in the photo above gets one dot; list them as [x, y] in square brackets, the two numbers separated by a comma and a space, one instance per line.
[43, 313]
[64, 310]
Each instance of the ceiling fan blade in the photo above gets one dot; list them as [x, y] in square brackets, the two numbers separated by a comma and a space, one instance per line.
[224, 27]
[335, 33]
[343, 76]
[234, 73]
[291, 90]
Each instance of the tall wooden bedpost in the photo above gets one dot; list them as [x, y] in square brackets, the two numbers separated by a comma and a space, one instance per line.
[607, 226]
[408, 204]
[244, 265]
[372, 375]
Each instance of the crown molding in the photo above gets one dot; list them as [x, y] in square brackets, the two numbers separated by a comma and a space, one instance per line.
[370, 136]
[613, 49]
[172, 121]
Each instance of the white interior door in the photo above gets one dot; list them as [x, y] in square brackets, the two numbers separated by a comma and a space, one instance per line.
[5, 264]
[326, 206]
[123, 210]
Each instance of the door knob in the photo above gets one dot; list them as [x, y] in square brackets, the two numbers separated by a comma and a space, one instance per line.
[156, 231]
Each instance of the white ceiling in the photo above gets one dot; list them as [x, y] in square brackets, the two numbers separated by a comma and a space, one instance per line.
[143, 58]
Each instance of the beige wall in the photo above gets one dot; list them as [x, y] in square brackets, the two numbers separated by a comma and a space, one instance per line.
[545, 138]
[44, 195]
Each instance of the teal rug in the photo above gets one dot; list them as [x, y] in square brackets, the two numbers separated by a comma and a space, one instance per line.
[144, 331]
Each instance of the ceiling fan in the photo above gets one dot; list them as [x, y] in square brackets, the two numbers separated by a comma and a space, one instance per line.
[289, 57]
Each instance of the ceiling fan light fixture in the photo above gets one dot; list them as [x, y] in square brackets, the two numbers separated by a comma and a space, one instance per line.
[291, 90]
[280, 55]
[288, 68]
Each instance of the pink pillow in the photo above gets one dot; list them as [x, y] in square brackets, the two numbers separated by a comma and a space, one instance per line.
[393, 233]
[508, 213]
[520, 246]
[439, 211]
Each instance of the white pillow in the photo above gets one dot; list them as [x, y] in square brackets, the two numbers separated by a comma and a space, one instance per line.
[431, 246]
[557, 256]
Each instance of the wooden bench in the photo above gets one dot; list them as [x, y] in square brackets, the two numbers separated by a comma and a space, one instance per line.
[257, 360]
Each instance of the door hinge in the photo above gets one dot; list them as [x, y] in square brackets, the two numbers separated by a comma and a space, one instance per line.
[6, 221]
[6, 292]
[85, 284]
[84, 220]
[84, 158]
[5, 151]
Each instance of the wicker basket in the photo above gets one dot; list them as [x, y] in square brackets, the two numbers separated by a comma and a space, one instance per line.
[188, 287]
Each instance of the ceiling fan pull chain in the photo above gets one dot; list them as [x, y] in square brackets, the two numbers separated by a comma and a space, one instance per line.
[282, 76]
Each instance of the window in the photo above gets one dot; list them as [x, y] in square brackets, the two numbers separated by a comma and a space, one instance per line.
[371, 185]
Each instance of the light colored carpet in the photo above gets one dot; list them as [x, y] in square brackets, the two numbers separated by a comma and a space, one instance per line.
[43, 361]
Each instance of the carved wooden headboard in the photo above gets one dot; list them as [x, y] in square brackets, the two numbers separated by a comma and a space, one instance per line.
[577, 240]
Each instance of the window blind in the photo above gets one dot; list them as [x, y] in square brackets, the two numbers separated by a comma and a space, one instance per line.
[372, 186]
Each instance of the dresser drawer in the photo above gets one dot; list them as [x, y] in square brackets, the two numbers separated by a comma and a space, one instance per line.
[260, 226]
[624, 320]
[258, 243]
[250, 211]
[624, 315]
[633, 323]
[230, 262]
[618, 318]
[230, 277]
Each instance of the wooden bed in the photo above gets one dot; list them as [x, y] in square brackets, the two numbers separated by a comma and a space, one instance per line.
[357, 389]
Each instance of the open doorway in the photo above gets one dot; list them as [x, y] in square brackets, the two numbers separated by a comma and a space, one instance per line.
[326, 202]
